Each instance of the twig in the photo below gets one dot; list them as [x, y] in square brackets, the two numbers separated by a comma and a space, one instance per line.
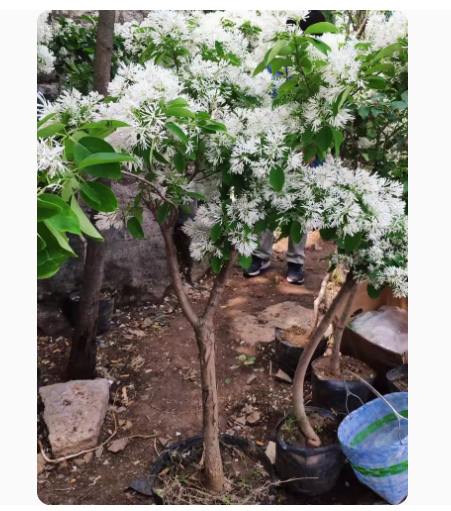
[142, 179]
[279, 483]
[155, 447]
[141, 436]
[70, 456]
[317, 303]
[363, 25]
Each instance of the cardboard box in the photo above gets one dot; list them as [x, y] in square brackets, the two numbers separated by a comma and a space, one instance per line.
[357, 346]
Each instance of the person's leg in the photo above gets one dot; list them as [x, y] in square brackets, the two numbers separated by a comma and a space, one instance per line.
[295, 260]
[261, 258]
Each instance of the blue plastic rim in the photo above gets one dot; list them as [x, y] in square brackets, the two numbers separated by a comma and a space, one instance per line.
[369, 437]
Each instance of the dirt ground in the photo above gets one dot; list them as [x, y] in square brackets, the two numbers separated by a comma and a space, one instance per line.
[151, 355]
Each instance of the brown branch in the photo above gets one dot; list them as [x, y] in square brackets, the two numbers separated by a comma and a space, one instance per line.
[338, 334]
[218, 288]
[317, 303]
[104, 51]
[363, 25]
[149, 183]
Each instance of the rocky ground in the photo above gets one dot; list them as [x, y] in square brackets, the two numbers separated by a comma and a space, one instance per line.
[150, 357]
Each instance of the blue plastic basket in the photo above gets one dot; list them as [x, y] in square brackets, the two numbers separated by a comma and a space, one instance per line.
[376, 444]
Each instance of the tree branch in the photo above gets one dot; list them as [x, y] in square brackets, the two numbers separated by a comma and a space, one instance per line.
[218, 288]
[318, 302]
[363, 25]
[149, 183]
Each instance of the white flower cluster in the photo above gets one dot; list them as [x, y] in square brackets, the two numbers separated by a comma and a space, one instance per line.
[49, 157]
[383, 32]
[45, 58]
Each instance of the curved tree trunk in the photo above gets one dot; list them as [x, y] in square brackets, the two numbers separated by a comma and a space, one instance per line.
[82, 360]
[212, 455]
[338, 334]
[311, 437]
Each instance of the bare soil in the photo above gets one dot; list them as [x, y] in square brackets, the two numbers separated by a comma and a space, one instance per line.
[321, 367]
[295, 335]
[325, 427]
[402, 383]
[150, 354]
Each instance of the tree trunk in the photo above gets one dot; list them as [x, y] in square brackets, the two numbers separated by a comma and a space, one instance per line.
[104, 51]
[212, 455]
[338, 334]
[311, 437]
[82, 360]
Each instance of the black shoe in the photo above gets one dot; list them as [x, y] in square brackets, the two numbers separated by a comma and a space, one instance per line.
[295, 273]
[256, 267]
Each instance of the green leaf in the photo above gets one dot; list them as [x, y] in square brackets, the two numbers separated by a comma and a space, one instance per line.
[342, 97]
[376, 82]
[48, 269]
[45, 119]
[260, 226]
[277, 64]
[277, 178]
[399, 105]
[296, 231]
[178, 102]
[43, 257]
[351, 243]
[275, 51]
[364, 111]
[47, 210]
[99, 158]
[323, 27]
[261, 67]
[245, 261]
[41, 243]
[51, 130]
[289, 49]
[405, 96]
[196, 195]
[287, 86]
[374, 292]
[177, 131]
[91, 193]
[65, 223]
[227, 176]
[159, 157]
[134, 228]
[387, 51]
[177, 111]
[61, 239]
[338, 139]
[105, 125]
[319, 45]
[86, 146]
[85, 225]
[179, 162]
[406, 186]
[328, 234]
[163, 212]
[216, 264]
[309, 152]
[203, 115]
[216, 232]
[108, 202]
[388, 69]
[324, 138]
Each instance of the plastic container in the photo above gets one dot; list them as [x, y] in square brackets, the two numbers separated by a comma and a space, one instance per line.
[395, 374]
[322, 463]
[376, 444]
[331, 394]
[146, 485]
[288, 355]
[106, 309]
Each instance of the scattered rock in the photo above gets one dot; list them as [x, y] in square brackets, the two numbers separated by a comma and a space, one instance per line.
[99, 451]
[241, 421]
[128, 425]
[41, 463]
[163, 441]
[74, 413]
[138, 333]
[251, 379]
[253, 418]
[148, 322]
[282, 376]
[87, 458]
[118, 445]
[271, 452]
[318, 247]
[79, 462]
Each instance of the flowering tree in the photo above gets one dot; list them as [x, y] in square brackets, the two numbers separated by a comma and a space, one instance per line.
[45, 58]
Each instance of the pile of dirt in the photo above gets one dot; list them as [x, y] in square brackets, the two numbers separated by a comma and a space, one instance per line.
[296, 335]
[325, 427]
[321, 367]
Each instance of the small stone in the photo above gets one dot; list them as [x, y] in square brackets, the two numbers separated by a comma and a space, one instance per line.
[251, 379]
[128, 425]
[253, 418]
[318, 247]
[271, 452]
[41, 463]
[282, 376]
[147, 322]
[163, 441]
[241, 420]
[79, 462]
[99, 451]
[118, 445]
[87, 458]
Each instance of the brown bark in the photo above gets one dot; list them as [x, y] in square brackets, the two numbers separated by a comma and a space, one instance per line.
[318, 301]
[82, 360]
[311, 437]
[338, 334]
[104, 50]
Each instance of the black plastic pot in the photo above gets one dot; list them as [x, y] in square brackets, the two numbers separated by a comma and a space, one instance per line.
[146, 485]
[331, 394]
[395, 374]
[106, 309]
[322, 464]
[288, 355]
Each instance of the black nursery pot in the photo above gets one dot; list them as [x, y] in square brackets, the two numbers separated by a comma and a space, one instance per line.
[322, 464]
[165, 461]
[106, 309]
[395, 374]
[288, 355]
[331, 394]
